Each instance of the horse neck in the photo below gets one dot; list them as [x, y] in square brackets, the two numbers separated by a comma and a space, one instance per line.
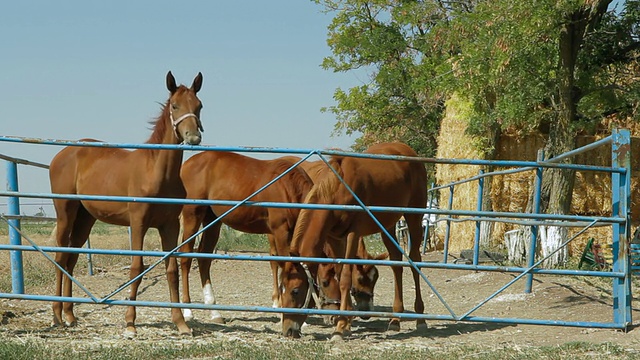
[310, 228]
[166, 162]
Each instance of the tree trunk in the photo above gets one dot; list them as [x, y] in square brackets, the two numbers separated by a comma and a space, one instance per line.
[487, 227]
[557, 184]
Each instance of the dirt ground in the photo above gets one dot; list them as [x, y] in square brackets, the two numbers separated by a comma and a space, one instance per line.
[249, 283]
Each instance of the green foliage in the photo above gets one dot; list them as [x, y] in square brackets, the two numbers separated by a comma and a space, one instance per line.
[382, 40]
[505, 56]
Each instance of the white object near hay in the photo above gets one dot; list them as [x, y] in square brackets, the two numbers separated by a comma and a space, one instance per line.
[551, 237]
[514, 241]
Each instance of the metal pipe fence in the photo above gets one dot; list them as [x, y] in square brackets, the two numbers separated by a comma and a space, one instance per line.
[619, 221]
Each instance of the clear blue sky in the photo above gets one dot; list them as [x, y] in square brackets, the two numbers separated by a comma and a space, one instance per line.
[74, 69]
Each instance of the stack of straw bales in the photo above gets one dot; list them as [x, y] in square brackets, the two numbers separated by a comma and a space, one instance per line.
[592, 191]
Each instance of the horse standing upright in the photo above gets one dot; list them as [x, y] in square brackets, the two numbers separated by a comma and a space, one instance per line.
[119, 172]
[218, 175]
[376, 182]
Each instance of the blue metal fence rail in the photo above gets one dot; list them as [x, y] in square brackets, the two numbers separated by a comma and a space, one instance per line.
[620, 173]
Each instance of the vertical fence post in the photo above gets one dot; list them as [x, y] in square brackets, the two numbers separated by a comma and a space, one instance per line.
[621, 200]
[531, 253]
[476, 242]
[13, 208]
[89, 258]
[425, 239]
[448, 233]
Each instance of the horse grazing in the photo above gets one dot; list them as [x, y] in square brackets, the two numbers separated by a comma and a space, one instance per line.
[364, 277]
[215, 175]
[377, 182]
[120, 172]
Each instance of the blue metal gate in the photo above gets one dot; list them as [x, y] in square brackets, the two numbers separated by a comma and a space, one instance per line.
[619, 222]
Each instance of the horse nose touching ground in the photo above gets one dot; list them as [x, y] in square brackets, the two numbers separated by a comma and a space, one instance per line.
[327, 280]
[120, 172]
[363, 282]
[376, 182]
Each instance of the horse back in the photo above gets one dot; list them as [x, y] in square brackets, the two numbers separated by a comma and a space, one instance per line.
[95, 171]
[217, 175]
[376, 182]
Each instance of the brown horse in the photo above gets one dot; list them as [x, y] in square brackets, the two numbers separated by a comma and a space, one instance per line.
[376, 182]
[119, 172]
[364, 277]
[215, 175]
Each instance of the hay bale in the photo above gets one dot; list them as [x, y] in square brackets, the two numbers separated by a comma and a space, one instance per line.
[592, 191]
[452, 135]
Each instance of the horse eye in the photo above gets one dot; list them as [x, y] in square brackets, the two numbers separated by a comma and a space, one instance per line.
[295, 292]
[325, 283]
[174, 106]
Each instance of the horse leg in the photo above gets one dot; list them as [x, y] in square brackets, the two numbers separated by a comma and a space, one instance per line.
[192, 217]
[66, 212]
[415, 231]
[138, 232]
[72, 230]
[395, 255]
[79, 235]
[208, 243]
[279, 241]
[343, 323]
[169, 235]
[273, 251]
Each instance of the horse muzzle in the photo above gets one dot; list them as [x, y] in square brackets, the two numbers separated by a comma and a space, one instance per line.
[292, 331]
[363, 301]
[192, 138]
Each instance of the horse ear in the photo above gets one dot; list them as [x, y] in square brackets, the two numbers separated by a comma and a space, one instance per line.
[197, 83]
[171, 83]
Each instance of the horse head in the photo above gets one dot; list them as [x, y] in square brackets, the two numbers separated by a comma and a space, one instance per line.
[295, 292]
[364, 278]
[184, 110]
[328, 288]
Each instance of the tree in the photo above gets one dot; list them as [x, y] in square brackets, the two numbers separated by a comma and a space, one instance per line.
[564, 85]
[557, 66]
[387, 40]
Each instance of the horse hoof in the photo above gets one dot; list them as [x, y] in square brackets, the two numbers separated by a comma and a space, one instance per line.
[186, 333]
[56, 322]
[218, 320]
[129, 334]
[394, 326]
[422, 326]
[336, 337]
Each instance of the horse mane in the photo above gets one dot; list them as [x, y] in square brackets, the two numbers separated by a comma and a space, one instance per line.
[160, 125]
[321, 193]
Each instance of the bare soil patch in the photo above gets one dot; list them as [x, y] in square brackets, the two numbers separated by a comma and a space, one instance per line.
[249, 283]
